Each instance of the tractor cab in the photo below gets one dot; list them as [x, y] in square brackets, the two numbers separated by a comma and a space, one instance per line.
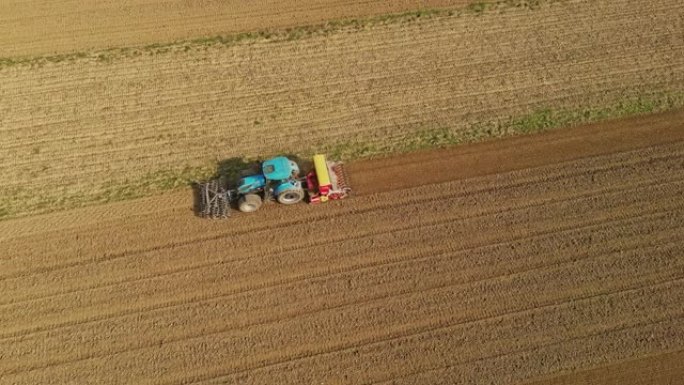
[280, 169]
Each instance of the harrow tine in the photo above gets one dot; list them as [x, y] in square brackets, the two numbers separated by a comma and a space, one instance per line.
[214, 200]
[341, 174]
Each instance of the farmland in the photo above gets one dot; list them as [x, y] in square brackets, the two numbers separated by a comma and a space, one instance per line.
[567, 257]
[33, 27]
[116, 125]
[468, 253]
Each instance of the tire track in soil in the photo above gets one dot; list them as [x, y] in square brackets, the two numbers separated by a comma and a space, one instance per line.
[434, 325]
[416, 198]
[61, 346]
[102, 282]
[663, 368]
[403, 333]
[389, 294]
[103, 308]
[627, 338]
[381, 355]
[616, 231]
[33, 27]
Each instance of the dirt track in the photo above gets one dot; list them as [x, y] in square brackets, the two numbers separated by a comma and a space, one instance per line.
[566, 258]
[36, 27]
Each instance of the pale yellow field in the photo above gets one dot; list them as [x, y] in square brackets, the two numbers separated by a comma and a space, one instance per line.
[92, 130]
[37, 27]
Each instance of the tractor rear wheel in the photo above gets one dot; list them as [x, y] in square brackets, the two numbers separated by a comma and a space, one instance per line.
[291, 196]
[249, 203]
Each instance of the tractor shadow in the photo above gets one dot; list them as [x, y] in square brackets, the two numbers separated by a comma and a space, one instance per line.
[228, 173]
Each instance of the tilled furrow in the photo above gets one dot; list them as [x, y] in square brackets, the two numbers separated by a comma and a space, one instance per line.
[425, 271]
[408, 316]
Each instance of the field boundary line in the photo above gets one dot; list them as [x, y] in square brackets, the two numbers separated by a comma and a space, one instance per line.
[410, 200]
[535, 178]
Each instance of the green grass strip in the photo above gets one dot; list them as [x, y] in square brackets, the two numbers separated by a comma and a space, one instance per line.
[543, 119]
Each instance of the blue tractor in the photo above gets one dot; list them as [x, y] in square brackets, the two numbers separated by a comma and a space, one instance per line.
[279, 178]
[275, 179]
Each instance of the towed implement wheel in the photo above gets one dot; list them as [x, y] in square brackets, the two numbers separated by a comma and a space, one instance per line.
[291, 196]
[249, 203]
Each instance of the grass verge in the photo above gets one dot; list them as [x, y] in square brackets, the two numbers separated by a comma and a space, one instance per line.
[540, 120]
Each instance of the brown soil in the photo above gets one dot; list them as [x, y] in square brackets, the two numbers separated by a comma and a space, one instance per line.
[35, 27]
[378, 175]
[665, 368]
[563, 260]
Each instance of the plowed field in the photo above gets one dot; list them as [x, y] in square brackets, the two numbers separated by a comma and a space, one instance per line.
[98, 130]
[547, 255]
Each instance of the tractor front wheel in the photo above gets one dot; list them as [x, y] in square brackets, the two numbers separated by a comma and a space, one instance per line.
[291, 196]
[249, 203]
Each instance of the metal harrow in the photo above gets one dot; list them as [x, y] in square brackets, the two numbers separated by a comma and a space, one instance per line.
[214, 200]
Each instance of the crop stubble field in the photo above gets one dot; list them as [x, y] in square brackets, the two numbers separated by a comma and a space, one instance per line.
[565, 259]
[554, 259]
[132, 123]
[30, 27]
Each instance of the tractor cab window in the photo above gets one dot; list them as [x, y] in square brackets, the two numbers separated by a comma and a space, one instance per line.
[268, 169]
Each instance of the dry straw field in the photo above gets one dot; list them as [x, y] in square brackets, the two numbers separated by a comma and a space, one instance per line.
[31, 27]
[116, 124]
[548, 259]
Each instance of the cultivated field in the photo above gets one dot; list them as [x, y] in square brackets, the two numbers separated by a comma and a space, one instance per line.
[114, 125]
[565, 258]
[36, 27]
[552, 259]
[658, 369]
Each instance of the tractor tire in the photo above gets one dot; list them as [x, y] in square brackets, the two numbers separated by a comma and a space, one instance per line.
[249, 203]
[291, 196]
